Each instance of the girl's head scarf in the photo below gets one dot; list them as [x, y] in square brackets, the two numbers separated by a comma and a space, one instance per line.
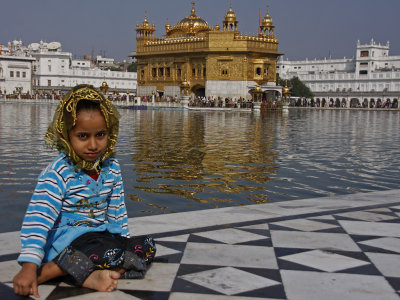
[65, 119]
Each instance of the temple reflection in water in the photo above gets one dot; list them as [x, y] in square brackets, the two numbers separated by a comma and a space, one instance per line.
[204, 158]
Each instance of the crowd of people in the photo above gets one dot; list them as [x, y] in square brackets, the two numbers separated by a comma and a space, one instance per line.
[220, 102]
[354, 103]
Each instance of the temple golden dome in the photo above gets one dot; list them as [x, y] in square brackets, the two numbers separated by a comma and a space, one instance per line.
[267, 21]
[189, 26]
[230, 22]
[230, 16]
[104, 85]
[286, 90]
[145, 24]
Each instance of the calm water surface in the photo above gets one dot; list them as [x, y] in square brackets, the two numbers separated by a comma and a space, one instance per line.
[174, 161]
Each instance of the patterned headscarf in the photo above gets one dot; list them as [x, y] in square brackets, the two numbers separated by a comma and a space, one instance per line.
[65, 119]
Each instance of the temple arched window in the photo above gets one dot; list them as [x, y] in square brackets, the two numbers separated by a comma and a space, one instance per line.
[160, 72]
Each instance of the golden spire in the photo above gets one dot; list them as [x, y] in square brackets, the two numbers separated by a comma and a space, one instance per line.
[193, 10]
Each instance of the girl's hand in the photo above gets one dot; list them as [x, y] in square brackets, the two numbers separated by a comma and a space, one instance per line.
[25, 282]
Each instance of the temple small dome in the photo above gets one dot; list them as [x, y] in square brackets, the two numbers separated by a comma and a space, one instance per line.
[145, 24]
[267, 21]
[230, 23]
[230, 16]
[189, 26]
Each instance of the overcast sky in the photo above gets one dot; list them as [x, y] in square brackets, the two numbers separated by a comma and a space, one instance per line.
[304, 28]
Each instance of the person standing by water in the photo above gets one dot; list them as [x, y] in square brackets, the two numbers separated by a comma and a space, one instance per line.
[76, 223]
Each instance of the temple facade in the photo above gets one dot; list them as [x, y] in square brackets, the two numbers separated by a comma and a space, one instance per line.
[206, 61]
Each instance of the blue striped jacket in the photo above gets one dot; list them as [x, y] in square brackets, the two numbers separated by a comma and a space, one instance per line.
[68, 203]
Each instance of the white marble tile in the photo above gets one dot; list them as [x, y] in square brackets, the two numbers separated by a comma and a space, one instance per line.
[45, 290]
[325, 261]
[195, 219]
[160, 277]
[302, 285]
[229, 255]
[258, 226]
[326, 217]
[8, 269]
[313, 240]
[193, 296]
[381, 209]
[10, 242]
[387, 264]
[230, 236]
[367, 216]
[220, 216]
[371, 228]
[162, 250]
[176, 238]
[386, 243]
[229, 281]
[114, 295]
[305, 225]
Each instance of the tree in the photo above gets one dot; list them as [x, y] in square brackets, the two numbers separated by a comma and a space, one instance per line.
[297, 87]
[132, 67]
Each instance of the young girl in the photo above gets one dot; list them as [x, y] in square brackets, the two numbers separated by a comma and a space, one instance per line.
[76, 221]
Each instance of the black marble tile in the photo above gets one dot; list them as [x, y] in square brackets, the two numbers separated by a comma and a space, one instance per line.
[185, 269]
[394, 282]
[7, 293]
[331, 230]
[363, 270]
[184, 286]
[362, 238]
[199, 239]
[61, 292]
[263, 232]
[7, 257]
[147, 295]
[352, 254]
[288, 265]
[171, 258]
[263, 242]
[281, 228]
[367, 248]
[279, 252]
[179, 246]
[272, 274]
[275, 292]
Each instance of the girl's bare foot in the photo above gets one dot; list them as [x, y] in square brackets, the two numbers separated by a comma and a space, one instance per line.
[102, 280]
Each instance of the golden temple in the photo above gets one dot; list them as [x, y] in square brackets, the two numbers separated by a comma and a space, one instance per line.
[204, 60]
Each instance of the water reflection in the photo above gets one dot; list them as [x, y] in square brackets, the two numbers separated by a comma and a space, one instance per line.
[184, 160]
[208, 158]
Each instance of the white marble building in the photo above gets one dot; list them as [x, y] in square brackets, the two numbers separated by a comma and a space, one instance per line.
[15, 74]
[371, 75]
[51, 69]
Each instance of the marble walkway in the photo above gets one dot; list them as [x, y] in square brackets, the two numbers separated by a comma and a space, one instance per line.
[340, 247]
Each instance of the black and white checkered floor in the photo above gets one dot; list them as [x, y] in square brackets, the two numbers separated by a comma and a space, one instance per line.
[341, 247]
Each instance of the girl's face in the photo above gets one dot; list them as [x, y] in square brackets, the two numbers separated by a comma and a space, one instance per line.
[89, 136]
